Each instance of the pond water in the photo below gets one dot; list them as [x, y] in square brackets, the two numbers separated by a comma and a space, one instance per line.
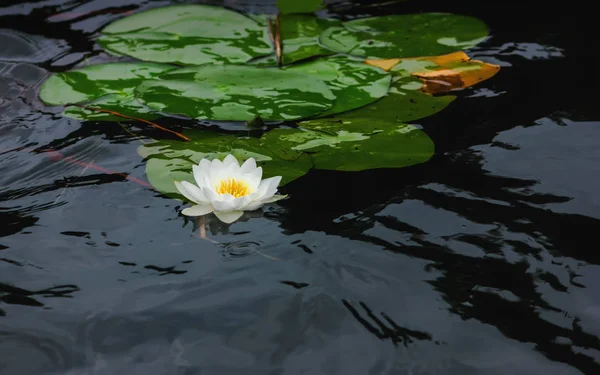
[481, 261]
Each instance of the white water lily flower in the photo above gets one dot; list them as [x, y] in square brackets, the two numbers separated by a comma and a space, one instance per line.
[228, 189]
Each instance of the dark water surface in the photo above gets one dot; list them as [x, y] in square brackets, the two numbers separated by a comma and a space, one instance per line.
[484, 260]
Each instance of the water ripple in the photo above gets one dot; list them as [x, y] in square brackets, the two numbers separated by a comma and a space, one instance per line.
[22, 47]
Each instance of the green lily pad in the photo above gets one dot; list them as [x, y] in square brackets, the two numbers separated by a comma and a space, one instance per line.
[300, 35]
[95, 81]
[298, 6]
[404, 102]
[353, 83]
[170, 160]
[124, 104]
[300, 39]
[409, 35]
[236, 93]
[188, 35]
[355, 145]
[104, 86]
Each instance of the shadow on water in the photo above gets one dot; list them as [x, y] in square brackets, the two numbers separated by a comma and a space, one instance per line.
[479, 261]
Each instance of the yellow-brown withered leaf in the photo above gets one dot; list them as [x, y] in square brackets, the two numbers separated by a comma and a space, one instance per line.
[450, 72]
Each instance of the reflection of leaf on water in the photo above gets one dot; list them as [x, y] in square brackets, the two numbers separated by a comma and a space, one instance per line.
[393, 332]
[17, 296]
[294, 284]
[14, 221]
[165, 270]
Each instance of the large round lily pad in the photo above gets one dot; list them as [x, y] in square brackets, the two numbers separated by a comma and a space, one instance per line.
[408, 35]
[189, 35]
[404, 102]
[170, 160]
[236, 93]
[95, 81]
[103, 86]
[355, 146]
[354, 84]
[126, 105]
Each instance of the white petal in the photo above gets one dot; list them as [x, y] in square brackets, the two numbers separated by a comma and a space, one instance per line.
[274, 184]
[229, 217]
[226, 203]
[198, 210]
[253, 178]
[260, 191]
[216, 166]
[254, 206]
[230, 159]
[248, 166]
[195, 191]
[211, 194]
[233, 170]
[261, 202]
[274, 198]
[200, 175]
[191, 192]
[267, 187]
[205, 165]
[242, 202]
[218, 172]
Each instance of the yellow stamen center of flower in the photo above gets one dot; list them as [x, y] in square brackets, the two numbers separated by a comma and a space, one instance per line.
[237, 188]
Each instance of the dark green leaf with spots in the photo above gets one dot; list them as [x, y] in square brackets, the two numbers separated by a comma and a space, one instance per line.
[300, 34]
[236, 93]
[95, 81]
[123, 104]
[355, 145]
[188, 35]
[104, 86]
[353, 83]
[408, 35]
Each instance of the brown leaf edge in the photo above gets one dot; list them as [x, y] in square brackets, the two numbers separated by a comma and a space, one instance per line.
[129, 118]
[445, 78]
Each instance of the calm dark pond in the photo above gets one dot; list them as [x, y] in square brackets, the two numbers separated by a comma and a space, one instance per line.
[483, 260]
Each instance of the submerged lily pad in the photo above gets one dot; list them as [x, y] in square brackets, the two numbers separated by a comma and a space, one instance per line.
[236, 93]
[170, 160]
[188, 35]
[353, 83]
[104, 86]
[355, 145]
[406, 35]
